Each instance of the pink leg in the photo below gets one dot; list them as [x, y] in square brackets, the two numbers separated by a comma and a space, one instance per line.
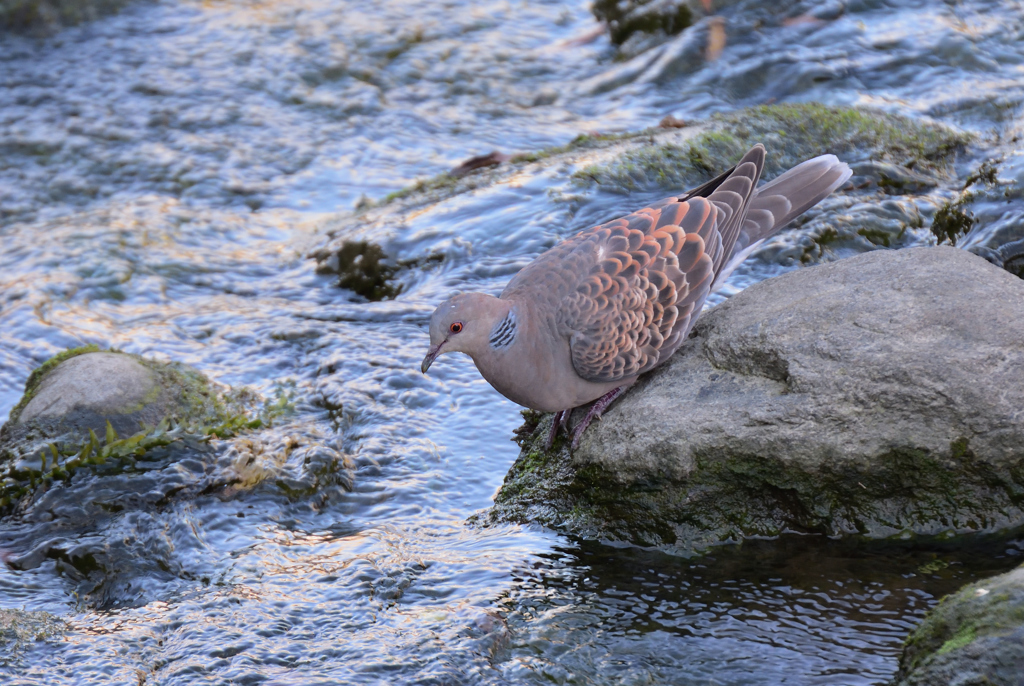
[596, 410]
[557, 423]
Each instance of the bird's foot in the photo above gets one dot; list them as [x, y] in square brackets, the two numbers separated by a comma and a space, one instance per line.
[595, 412]
[559, 421]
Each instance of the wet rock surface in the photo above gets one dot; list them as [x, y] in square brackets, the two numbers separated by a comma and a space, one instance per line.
[974, 636]
[877, 396]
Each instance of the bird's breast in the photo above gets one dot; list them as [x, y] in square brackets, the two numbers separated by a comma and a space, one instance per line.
[539, 376]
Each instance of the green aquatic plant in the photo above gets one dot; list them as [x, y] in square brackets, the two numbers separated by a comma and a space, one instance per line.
[363, 268]
[113, 454]
[641, 16]
[953, 220]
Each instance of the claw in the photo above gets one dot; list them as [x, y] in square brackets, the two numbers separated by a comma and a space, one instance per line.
[556, 423]
[596, 410]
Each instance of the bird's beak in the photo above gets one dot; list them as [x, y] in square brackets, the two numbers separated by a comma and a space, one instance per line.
[431, 356]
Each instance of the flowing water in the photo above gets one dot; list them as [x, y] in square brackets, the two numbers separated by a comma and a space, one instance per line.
[165, 173]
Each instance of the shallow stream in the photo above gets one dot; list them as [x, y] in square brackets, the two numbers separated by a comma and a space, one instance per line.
[164, 175]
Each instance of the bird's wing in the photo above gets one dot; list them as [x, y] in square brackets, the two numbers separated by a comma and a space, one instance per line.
[626, 293]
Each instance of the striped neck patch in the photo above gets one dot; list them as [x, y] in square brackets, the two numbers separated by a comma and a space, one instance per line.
[504, 332]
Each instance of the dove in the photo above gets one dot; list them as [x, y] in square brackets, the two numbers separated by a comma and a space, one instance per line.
[581, 322]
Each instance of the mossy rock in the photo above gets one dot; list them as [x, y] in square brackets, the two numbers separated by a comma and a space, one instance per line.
[373, 252]
[84, 388]
[682, 158]
[792, 133]
[974, 636]
[87, 407]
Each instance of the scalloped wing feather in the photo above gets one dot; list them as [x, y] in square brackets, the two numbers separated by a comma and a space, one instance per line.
[651, 273]
[626, 293]
[647, 280]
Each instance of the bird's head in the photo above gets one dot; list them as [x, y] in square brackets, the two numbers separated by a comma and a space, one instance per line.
[463, 323]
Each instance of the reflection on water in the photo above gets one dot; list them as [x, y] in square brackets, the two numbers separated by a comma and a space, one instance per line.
[164, 174]
[807, 611]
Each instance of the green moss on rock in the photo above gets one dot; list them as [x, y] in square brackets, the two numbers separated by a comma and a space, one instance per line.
[441, 182]
[446, 184]
[728, 498]
[972, 636]
[793, 133]
[40, 451]
[678, 158]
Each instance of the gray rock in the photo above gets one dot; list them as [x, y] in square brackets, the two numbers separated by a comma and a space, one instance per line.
[85, 388]
[974, 636]
[880, 396]
[87, 391]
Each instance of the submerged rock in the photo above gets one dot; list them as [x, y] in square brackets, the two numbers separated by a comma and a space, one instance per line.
[899, 154]
[664, 17]
[974, 636]
[103, 441]
[876, 396]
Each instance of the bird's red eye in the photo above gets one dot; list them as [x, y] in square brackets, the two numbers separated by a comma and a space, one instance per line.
[455, 327]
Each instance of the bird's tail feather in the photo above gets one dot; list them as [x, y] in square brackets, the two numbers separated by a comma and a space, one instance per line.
[782, 200]
[803, 186]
